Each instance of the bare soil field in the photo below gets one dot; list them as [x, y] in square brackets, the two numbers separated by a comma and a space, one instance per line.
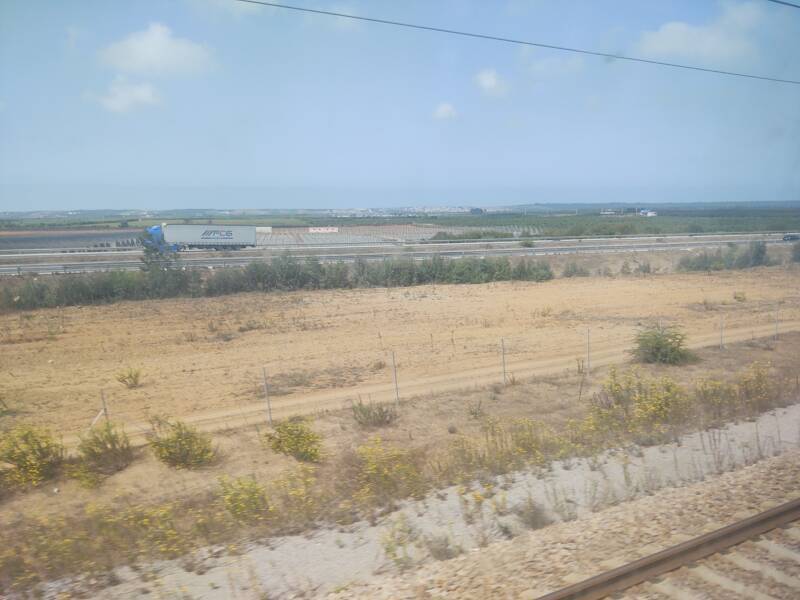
[322, 349]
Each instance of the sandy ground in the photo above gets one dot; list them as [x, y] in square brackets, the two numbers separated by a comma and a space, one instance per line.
[205, 356]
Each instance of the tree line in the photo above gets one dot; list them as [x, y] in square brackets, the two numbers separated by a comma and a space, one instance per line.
[164, 278]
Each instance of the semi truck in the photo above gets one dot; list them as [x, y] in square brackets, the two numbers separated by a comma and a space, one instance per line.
[170, 237]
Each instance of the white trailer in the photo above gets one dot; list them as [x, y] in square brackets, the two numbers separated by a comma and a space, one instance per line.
[228, 237]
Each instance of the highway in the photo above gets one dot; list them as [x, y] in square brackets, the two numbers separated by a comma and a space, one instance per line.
[44, 261]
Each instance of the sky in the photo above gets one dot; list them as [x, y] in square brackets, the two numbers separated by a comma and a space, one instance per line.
[220, 104]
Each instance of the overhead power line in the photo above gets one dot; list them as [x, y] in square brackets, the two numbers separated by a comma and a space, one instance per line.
[506, 40]
[785, 3]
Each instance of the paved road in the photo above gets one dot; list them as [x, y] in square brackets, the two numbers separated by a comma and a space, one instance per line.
[49, 263]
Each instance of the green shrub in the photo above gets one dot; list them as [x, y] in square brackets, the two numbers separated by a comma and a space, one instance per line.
[718, 400]
[105, 449]
[757, 390]
[665, 345]
[632, 406]
[33, 454]
[130, 378]
[755, 255]
[181, 446]
[295, 438]
[532, 514]
[386, 473]
[573, 269]
[374, 414]
[244, 499]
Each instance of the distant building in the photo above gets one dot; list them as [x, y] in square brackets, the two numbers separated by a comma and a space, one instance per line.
[647, 213]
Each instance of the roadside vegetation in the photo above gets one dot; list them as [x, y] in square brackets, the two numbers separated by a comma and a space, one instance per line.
[480, 234]
[285, 273]
[350, 483]
[755, 255]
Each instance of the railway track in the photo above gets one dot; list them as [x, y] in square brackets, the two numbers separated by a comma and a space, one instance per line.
[730, 562]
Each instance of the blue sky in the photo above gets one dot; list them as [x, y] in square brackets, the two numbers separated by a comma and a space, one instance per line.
[214, 103]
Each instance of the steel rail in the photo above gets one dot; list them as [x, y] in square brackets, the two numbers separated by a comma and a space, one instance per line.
[650, 567]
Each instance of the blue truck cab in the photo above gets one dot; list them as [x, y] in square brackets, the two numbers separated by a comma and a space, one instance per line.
[155, 239]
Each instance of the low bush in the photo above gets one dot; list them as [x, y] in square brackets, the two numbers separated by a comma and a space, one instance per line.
[181, 446]
[33, 454]
[633, 407]
[573, 269]
[659, 344]
[130, 378]
[296, 438]
[756, 389]
[386, 473]
[717, 400]
[531, 514]
[244, 499]
[374, 414]
[105, 449]
[754, 255]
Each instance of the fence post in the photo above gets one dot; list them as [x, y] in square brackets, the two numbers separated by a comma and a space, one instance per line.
[396, 388]
[503, 352]
[105, 407]
[776, 322]
[721, 331]
[588, 349]
[266, 395]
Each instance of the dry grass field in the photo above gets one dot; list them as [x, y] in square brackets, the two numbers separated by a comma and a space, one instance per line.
[322, 349]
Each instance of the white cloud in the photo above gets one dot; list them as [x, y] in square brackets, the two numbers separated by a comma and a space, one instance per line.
[123, 96]
[490, 82]
[726, 39]
[156, 51]
[445, 111]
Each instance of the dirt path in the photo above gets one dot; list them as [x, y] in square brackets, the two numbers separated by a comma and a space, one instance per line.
[604, 355]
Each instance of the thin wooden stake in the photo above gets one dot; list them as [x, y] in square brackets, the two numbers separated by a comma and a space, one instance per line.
[776, 321]
[266, 395]
[503, 351]
[396, 388]
[721, 331]
[105, 407]
[588, 349]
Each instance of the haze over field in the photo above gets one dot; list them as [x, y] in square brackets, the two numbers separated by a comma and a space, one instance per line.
[215, 103]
